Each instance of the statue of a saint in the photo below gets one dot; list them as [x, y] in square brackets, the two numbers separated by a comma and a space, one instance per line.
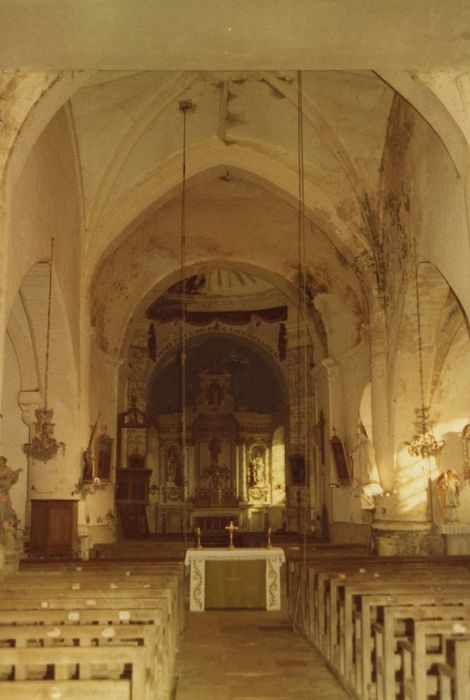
[87, 465]
[8, 518]
[360, 456]
[449, 494]
[172, 468]
[364, 469]
[256, 470]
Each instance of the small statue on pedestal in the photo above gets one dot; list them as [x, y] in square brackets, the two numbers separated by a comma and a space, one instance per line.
[449, 494]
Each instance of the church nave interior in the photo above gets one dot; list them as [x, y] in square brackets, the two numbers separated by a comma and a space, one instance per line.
[234, 310]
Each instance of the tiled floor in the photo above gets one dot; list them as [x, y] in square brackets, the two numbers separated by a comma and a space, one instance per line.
[249, 655]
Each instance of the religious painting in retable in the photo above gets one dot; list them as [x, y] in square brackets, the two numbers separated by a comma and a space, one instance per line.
[340, 459]
[104, 450]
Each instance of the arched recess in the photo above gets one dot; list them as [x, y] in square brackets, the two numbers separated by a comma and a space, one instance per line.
[445, 341]
[249, 419]
[444, 120]
[281, 284]
[197, 360]
[274, 169]
[449, 392]
[150, 254]
[38, 96]
[28, 332]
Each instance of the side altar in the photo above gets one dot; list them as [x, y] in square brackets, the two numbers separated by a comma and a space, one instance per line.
[235, 578]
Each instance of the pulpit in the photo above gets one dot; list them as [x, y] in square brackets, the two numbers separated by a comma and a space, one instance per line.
[235, 578]
[132, 494]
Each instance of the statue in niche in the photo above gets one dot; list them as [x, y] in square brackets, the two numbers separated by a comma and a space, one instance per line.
[256, 467]
[8, 518]
[448, 486]
[362, 457]
[364, 470]
[172, 466]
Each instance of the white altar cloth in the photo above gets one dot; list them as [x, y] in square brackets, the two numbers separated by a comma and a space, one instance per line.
[196, 560]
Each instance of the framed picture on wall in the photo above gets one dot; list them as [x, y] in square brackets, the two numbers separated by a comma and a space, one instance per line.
[104, 453]
[297, 470]
[341, 460]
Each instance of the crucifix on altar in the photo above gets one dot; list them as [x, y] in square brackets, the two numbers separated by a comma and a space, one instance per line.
[231, 528]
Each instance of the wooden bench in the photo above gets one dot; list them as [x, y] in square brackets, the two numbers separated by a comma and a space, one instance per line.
[153, 598]
[92, 661]
[424, 650]
[340, 604]
[109, 636]
[345, 597]
[454, 673]
[381, 624]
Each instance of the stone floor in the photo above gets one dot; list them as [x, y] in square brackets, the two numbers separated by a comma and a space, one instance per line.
[249, 655]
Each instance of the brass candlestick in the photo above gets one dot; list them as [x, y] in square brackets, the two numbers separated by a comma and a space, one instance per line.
[269, 544]
[198, 538]
[231, 528]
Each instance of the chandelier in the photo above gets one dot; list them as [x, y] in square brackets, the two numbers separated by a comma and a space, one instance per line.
[424, 443]
[43, 445]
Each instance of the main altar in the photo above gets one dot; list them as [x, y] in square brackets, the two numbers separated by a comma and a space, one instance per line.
[234, 468]
[235, 578]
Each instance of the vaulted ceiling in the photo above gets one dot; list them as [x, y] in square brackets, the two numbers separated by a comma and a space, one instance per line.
[128, 67]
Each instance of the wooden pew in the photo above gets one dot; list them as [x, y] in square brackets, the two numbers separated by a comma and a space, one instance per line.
[315, 586]
[101, 689]
[83, 659]
[149, 574]
[333, 603]
[382, 624]
[345, 596]
[454, 673]
[425, 649]
[154, 597]
[60, 637]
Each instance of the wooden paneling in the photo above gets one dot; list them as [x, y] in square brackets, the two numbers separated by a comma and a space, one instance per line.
[54, 528]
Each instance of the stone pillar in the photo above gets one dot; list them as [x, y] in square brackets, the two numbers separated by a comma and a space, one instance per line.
[236, 457]
[104, 378]
[243, 471]
[380, 400]
[295, 361]
[369, 274]
[189, 476]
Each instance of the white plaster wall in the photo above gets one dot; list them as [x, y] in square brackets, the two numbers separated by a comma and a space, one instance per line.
[440, 213]
[46, 204]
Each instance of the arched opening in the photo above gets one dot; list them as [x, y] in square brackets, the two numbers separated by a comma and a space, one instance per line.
[240, 377]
